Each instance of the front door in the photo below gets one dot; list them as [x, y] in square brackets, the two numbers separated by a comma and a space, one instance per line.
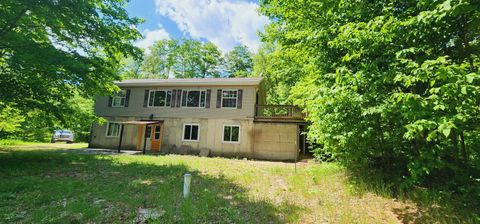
[156, 137]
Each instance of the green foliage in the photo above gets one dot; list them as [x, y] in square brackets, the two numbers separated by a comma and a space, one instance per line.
[10, 120]
[37, 125]
[239, 62]
[274, 64]
[183, 58]
[393, 85]
[50, 50]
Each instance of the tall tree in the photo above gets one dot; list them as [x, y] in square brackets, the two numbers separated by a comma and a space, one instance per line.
[50, 49]
[184, 58]
[278, 66]
[160, 61]
[210, 61]
[394, 83]
[239, 62]
[187, 59]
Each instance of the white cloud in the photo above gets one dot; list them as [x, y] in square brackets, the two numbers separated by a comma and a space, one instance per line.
[150, 36]
[225, 23]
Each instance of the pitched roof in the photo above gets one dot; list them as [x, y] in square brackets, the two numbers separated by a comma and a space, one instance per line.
[191, 82]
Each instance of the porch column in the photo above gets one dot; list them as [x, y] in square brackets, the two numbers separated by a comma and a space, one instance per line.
[145, 139]
[121, 137]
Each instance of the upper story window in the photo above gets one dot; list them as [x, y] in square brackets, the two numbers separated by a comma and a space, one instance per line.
[193, 98]
[229, 98]
[160, 98]
[113, 129]
[118, 100]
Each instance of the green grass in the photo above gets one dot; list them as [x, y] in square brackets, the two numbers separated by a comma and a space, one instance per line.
[43, 183]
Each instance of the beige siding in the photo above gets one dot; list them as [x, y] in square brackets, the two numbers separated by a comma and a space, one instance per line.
[275, 141]
[272, 141]
[210, 136]
[136, 108]
[100, 140]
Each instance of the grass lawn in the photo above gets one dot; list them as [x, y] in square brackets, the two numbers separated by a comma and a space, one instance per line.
[43, 183]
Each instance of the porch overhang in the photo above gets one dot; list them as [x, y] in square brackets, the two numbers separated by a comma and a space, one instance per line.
[136, 122]
[141, 122]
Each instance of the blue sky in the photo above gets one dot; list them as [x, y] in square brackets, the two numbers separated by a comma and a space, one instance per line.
[226, 23]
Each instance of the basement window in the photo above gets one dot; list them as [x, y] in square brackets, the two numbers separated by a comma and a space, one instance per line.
[113, 129]
[231, 133]
[191, 132]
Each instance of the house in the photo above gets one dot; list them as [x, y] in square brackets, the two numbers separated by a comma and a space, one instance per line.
[225, 116]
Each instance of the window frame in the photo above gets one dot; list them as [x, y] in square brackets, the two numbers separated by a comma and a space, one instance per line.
[159, 132]
[108, 126]
[198, 132]
[153, 99]
[239, 133]
[124, 97]
[204, 91]
[236, 99]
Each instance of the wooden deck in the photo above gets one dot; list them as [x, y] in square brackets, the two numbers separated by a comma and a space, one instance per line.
[279, 113]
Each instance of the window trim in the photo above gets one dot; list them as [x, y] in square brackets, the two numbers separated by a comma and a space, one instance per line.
[120, 97]
[108, 125]
[199, 102]
[239, 133]
[166, 92]
[155, 132]
[183, 133]
[236, 99]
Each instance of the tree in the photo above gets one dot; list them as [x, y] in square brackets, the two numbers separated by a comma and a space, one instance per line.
[278, 66]
[239, 62]
[130, 68]
[388, 84]
[185, 58]
[160, 61]
[211, 60]
[51, 49]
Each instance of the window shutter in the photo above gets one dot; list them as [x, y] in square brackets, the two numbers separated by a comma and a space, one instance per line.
[145, 99]
[239, 99]
[179, 97]
[207, 102]
[219, 98]
[127, 97]
[173, 101]
[110, 99]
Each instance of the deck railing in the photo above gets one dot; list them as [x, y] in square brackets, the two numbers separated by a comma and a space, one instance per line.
[278, 112]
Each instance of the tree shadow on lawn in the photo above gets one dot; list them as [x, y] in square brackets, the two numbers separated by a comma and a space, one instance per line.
[69, 187]
[430, 205]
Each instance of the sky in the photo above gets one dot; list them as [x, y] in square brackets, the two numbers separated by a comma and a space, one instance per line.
[226, 23]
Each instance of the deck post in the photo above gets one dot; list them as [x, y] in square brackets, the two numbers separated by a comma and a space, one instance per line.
[121, 137]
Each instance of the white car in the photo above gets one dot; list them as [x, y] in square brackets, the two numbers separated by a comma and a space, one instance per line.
[62, 136]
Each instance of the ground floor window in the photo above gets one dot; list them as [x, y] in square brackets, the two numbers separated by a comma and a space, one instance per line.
[190, 132]
[113, 129]
[231, 133]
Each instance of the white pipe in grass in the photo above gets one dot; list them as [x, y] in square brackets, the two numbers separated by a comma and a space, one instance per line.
[187, 179]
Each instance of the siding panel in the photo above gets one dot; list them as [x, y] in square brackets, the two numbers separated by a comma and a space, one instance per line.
[136, 109]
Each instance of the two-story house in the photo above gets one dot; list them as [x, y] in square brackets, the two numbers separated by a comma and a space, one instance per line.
[226, 116]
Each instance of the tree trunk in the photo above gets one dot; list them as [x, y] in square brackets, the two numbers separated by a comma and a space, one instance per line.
[455, 145]
[464, 150]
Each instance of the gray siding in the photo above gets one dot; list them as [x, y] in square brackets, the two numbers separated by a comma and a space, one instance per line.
[136, 109]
